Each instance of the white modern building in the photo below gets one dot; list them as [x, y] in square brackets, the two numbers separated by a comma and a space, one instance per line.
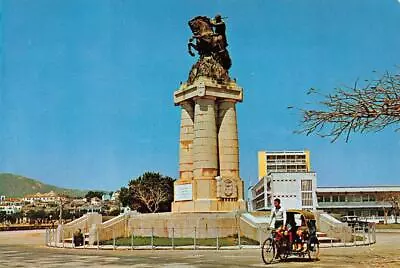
[296, 190]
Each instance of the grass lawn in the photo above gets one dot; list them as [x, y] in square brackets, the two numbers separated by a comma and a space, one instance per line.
[165, 241]
[388, 226]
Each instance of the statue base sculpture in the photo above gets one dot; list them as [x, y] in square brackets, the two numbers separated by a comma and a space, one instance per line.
[209, 178]
[208, 67]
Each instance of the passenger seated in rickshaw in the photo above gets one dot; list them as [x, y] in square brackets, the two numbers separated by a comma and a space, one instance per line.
[301, 235]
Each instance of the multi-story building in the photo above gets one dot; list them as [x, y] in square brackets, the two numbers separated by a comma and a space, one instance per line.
[283, 161]
[296, 190]
[368, 202]
[285, 175]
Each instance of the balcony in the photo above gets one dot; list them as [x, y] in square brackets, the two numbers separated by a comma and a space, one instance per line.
[286, 162]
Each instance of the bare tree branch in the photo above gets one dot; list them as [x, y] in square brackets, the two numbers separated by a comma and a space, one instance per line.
[347, 110]
[392, 198]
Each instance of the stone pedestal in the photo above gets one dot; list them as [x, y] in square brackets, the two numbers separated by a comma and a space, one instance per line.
[209, 151]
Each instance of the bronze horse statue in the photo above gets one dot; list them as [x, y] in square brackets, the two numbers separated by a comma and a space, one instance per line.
[208, 43]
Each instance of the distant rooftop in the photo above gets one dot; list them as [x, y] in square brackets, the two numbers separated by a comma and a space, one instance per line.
[369, 188]
[285, 152]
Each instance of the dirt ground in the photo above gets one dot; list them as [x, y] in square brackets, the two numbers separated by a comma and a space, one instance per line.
[25, 249]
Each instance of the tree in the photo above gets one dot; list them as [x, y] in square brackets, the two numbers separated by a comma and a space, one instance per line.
[125, 197]
[91, 194]
[11, 218]
[371, 107]
[393, 198]
[36, 215]
[153, 191]
[2, 216]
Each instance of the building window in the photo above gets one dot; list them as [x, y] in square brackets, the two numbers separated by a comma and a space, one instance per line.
[306, 199]
[354, 198]
[342, 198]
[365, 198]
[320, 199]
[306, 185]
[335, 198]
[327, 198]
[372, 198]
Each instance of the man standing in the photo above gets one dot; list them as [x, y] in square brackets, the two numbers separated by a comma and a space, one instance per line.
[278, 213]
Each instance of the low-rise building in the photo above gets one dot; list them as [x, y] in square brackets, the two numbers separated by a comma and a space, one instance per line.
[42, 197]
[115, 195]
[367, 202]
[95, 201]
[11, 205]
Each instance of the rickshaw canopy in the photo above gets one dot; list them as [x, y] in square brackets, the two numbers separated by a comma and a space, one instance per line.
[308, 215]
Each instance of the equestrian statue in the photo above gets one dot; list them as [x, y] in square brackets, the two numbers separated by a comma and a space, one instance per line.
[209, 40]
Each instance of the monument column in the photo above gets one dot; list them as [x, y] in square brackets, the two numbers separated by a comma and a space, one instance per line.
[228, 140]
[205, 150]
[186, 141]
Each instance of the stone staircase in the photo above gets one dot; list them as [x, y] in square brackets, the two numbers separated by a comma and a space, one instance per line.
[256, 227]
[323, 238]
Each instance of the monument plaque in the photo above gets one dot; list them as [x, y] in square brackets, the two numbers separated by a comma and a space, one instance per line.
[183, 192]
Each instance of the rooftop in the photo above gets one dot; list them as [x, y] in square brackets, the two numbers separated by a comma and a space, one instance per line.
[370, 188]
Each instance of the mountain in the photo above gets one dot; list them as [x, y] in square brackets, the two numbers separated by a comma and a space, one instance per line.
[12, 185]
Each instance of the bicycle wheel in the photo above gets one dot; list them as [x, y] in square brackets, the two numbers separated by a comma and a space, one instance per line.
[268, 251]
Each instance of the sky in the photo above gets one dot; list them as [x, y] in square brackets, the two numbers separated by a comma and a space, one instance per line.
[86, 87]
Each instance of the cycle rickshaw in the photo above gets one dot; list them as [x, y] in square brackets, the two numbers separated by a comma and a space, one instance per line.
[298, 237]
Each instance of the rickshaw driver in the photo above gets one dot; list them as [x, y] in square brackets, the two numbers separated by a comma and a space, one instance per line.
[278, 213]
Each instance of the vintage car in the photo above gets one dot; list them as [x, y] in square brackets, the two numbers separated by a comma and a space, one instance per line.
[298, 237]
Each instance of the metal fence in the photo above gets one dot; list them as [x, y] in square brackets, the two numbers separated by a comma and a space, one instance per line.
[194, 238]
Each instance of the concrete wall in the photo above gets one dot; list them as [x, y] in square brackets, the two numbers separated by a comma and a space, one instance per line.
[204, 225]
[333, 228]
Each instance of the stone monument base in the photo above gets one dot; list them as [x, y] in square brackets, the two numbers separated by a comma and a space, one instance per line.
[209, 179]
[208, 205]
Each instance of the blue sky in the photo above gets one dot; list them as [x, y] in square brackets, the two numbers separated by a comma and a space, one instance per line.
[86, 87]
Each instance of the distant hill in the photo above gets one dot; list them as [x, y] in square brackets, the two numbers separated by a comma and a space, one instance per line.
[12, 185]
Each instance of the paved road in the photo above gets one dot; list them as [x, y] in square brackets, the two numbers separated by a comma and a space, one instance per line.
[24, 249]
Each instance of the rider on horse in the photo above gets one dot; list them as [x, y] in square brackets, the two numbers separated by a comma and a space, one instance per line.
[219, 30]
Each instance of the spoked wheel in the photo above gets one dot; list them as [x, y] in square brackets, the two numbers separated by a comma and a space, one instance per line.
[268, 251]
[313, 249]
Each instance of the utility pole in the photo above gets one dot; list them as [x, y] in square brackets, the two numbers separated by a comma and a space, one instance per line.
[61, 208]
